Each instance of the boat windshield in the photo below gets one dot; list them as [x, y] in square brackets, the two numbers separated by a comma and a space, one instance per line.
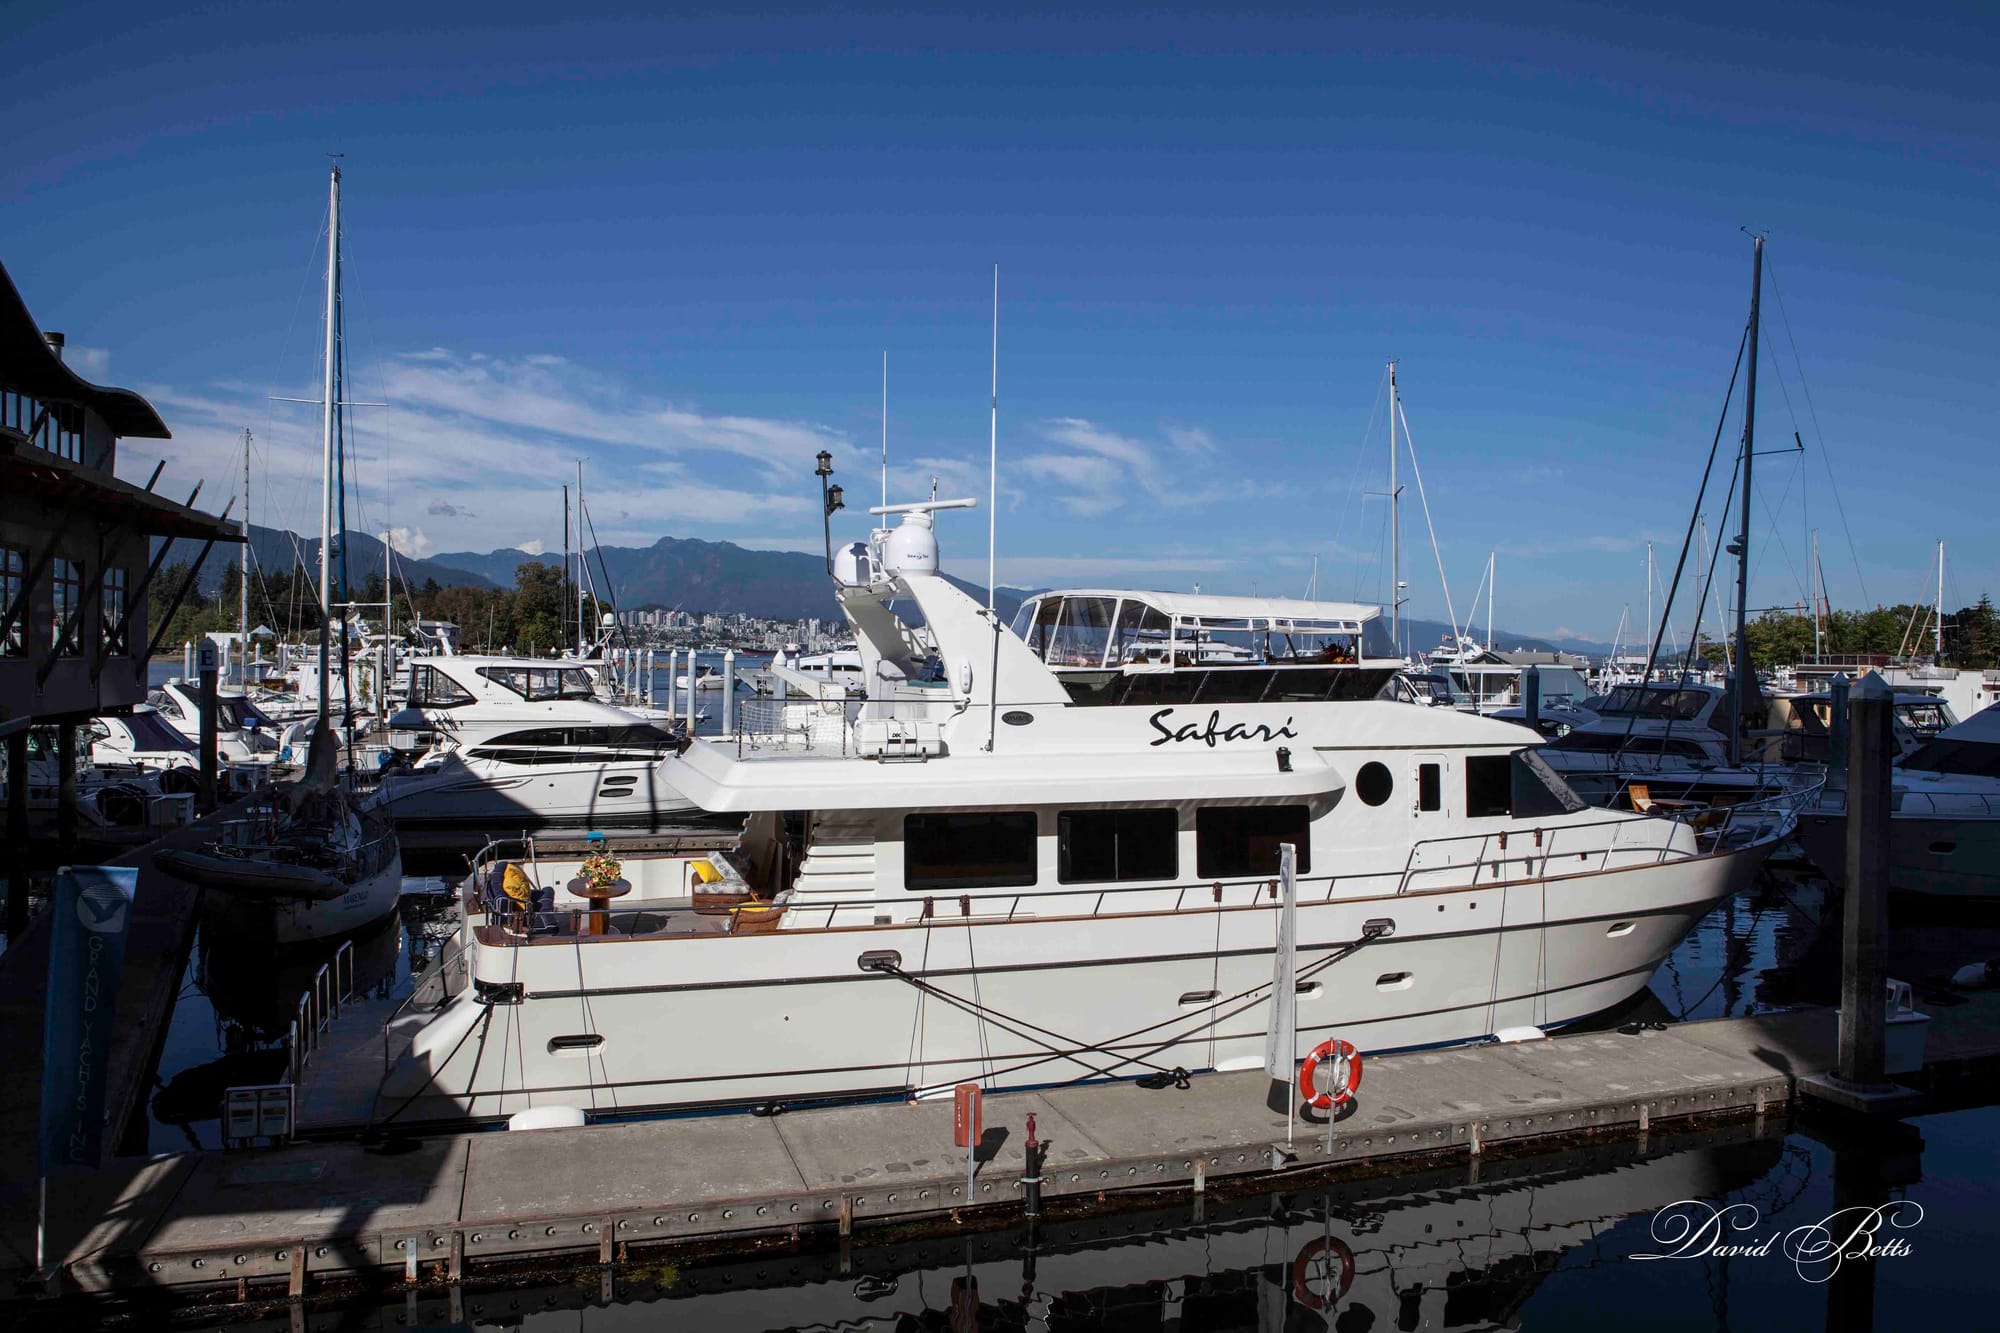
[233, 712]
[1979, 759]
[1654, 701]
[151, 732]
[539, 683]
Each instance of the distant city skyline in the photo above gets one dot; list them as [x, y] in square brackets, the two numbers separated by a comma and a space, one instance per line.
[679, 248]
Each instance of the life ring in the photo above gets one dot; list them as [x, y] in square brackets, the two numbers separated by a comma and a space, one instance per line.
[1302, 1288]
[1331, 1049]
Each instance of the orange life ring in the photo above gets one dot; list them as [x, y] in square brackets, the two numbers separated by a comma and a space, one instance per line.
[1302, 1288]
[1331, 1049]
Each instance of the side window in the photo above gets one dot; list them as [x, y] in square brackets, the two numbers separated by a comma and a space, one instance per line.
[1097, 846]
[972, 850]
[1430, 786]
[431, 688]
[1489, 783]
[1236, 840]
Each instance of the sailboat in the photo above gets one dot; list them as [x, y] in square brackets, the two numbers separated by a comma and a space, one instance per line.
[320, 860]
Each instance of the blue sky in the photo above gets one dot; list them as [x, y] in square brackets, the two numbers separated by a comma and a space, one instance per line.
[678, 246]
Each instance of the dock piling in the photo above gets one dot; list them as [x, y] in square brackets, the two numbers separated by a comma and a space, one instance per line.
[1858, 1082]
[729, 692]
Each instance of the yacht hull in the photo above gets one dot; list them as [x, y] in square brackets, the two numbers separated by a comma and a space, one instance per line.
[283, 922]
[728, 1019]
[1934, 855]
[485, 794]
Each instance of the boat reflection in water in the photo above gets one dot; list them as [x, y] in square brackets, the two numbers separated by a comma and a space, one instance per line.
[1423, 1251]
[253, 995]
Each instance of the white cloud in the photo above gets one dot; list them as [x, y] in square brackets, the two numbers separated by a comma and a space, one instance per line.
[534, 546]
[92, 363]
[1101, 469]
[407, 541]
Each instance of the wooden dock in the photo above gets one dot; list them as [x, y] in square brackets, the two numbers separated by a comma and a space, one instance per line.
[273, 1222]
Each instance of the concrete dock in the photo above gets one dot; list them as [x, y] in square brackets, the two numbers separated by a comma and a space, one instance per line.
[276, 1222]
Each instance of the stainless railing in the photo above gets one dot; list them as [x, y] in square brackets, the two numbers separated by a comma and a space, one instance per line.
[797, 725]
[332, 986]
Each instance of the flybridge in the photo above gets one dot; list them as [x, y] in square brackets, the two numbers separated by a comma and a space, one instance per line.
[1113, 647]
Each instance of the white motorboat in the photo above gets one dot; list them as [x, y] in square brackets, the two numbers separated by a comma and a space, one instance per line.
[522, 743]
[244, 733]
[1001, 870]
[1944, 834]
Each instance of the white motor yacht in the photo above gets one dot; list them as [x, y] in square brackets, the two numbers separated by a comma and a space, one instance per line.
[1002, 870]
[245, 734]
[522, 743]
[1944, 834]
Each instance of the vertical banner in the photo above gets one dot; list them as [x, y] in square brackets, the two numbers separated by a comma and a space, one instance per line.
[93, 908]
[1281, 1044]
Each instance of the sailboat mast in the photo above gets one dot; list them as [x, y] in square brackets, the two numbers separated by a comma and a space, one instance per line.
[1492, 586]
[326, 449]
[563, 589]
[243, 582]
[1395, 528]
[1746, 675]
[1937, 615]
[582, 562]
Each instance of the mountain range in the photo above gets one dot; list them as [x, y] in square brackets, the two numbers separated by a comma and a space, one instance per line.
[682, 573]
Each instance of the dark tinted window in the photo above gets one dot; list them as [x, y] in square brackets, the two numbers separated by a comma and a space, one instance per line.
[1489, 785]
[1430, 787]
[1094, 846]
[972, 850]
[1243, 839]
[1539, 792]
[1373, 784]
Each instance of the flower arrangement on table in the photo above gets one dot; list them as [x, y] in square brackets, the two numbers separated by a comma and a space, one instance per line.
[600, 871]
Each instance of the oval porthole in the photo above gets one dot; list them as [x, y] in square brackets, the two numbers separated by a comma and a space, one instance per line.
[1944, 848]
[1393, 981]
[1194, 997]
[1014, 717]
[1374, 784]
[576, 1044]
[1619, 929]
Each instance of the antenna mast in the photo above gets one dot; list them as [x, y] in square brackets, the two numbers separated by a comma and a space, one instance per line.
[885, 427]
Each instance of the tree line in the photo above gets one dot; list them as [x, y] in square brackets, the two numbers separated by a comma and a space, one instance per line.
[534, 617]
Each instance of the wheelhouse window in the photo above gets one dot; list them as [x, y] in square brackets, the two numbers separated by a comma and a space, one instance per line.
[1489, 786]
[1142, 634]
[969, 850]
[537, 684]
[1430, 787]
[111, 611]
[431, 688]
[1082, 633]
[1539, 791]
[1102, 846]
[66, 579]
[1236, 840]
[13, 577]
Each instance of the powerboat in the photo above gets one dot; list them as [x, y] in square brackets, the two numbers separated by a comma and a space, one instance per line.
[525, 742]
[1003, 868]
[1944, 833]
[244, 733]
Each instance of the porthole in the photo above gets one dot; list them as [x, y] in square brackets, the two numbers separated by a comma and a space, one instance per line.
[1373, 784]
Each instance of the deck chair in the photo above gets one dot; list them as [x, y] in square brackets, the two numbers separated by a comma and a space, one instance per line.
[1642, 797]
